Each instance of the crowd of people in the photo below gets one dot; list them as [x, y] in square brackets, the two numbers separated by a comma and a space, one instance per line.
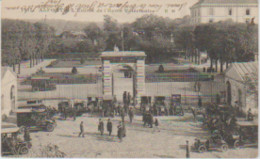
[121, 130]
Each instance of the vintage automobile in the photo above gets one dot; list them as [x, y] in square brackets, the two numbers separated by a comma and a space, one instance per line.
[42, 84]
[178, 110]
[246, 135]
[35, 119]
[108, 105]
[93, 104]
[80, 107]
[11, 144]
[215, 142]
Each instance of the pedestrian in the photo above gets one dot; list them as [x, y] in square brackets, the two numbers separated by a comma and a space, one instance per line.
[250, 116]
[120, 131]
[122, 115]
[150, 120]
[27, 134]
[145, 118]
[187, 149]
[131, 115]
[156, 124]
[81, 129]
[199, 102]
[109, 127]
[193, 113]
[129, 98]
[101, 127]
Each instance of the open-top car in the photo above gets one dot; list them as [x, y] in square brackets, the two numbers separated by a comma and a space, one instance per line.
[35, 119]
[11, 143]
[80, 107]
[248, 134]
[215, 142]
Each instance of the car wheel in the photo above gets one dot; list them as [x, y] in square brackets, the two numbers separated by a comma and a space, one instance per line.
[224, 147]
[236, 144]
[23, 150]
[202, 149]
[50, 128]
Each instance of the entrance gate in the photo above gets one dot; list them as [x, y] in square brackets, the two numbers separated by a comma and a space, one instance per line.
[136, 59]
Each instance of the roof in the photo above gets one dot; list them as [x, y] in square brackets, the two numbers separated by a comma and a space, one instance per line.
[239, 70]
[40, 78]
[10, 130]
[123, 54]
[28, 110]
[206, 2]
[4, 70]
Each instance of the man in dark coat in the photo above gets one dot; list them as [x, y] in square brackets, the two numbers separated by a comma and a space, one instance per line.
[150, 120]
[120, 131]
[129, 98]
[109, 127]
[81, 129]
[122, 115]
[27, 135]
[131, 115]
[101, 127]
[145, 118]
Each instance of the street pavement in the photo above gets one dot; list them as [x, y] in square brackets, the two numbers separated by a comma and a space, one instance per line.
[139, 141]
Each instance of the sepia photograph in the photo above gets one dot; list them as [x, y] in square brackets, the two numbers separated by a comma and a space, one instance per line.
[129, 78]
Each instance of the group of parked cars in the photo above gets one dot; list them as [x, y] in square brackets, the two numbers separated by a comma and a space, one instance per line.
[229, 133]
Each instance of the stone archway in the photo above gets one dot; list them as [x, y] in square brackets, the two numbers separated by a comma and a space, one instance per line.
[136, 59]
[229, 94]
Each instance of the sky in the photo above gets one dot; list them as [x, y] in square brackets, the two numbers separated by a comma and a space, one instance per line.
[94, 10]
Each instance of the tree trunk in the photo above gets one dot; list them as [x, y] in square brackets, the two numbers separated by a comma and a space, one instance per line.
[37, 59]
[30, 61]
[226, 65]
[221, 65]
[216, 65]
[192, 55]
[33, 60]
[211, 63]
[199, 57]
[19, 67]
[196, 57]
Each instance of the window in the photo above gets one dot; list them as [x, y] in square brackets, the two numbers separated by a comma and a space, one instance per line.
[211, 11]
[247, 11]
[230, 12]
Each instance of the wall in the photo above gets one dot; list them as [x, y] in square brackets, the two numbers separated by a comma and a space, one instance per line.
[222, 14]
[235, 86]
[7, 82]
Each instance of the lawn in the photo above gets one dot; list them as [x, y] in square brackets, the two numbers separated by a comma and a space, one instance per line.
[66, 78]
[73, 63]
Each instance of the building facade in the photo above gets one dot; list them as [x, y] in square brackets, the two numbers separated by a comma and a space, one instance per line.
[237, 90]
[239, 11]
[8, 91]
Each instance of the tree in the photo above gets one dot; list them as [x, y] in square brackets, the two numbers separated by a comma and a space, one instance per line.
[93, 32]
[112, 33]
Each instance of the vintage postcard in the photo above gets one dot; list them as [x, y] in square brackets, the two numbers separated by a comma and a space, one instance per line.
[129, 78]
